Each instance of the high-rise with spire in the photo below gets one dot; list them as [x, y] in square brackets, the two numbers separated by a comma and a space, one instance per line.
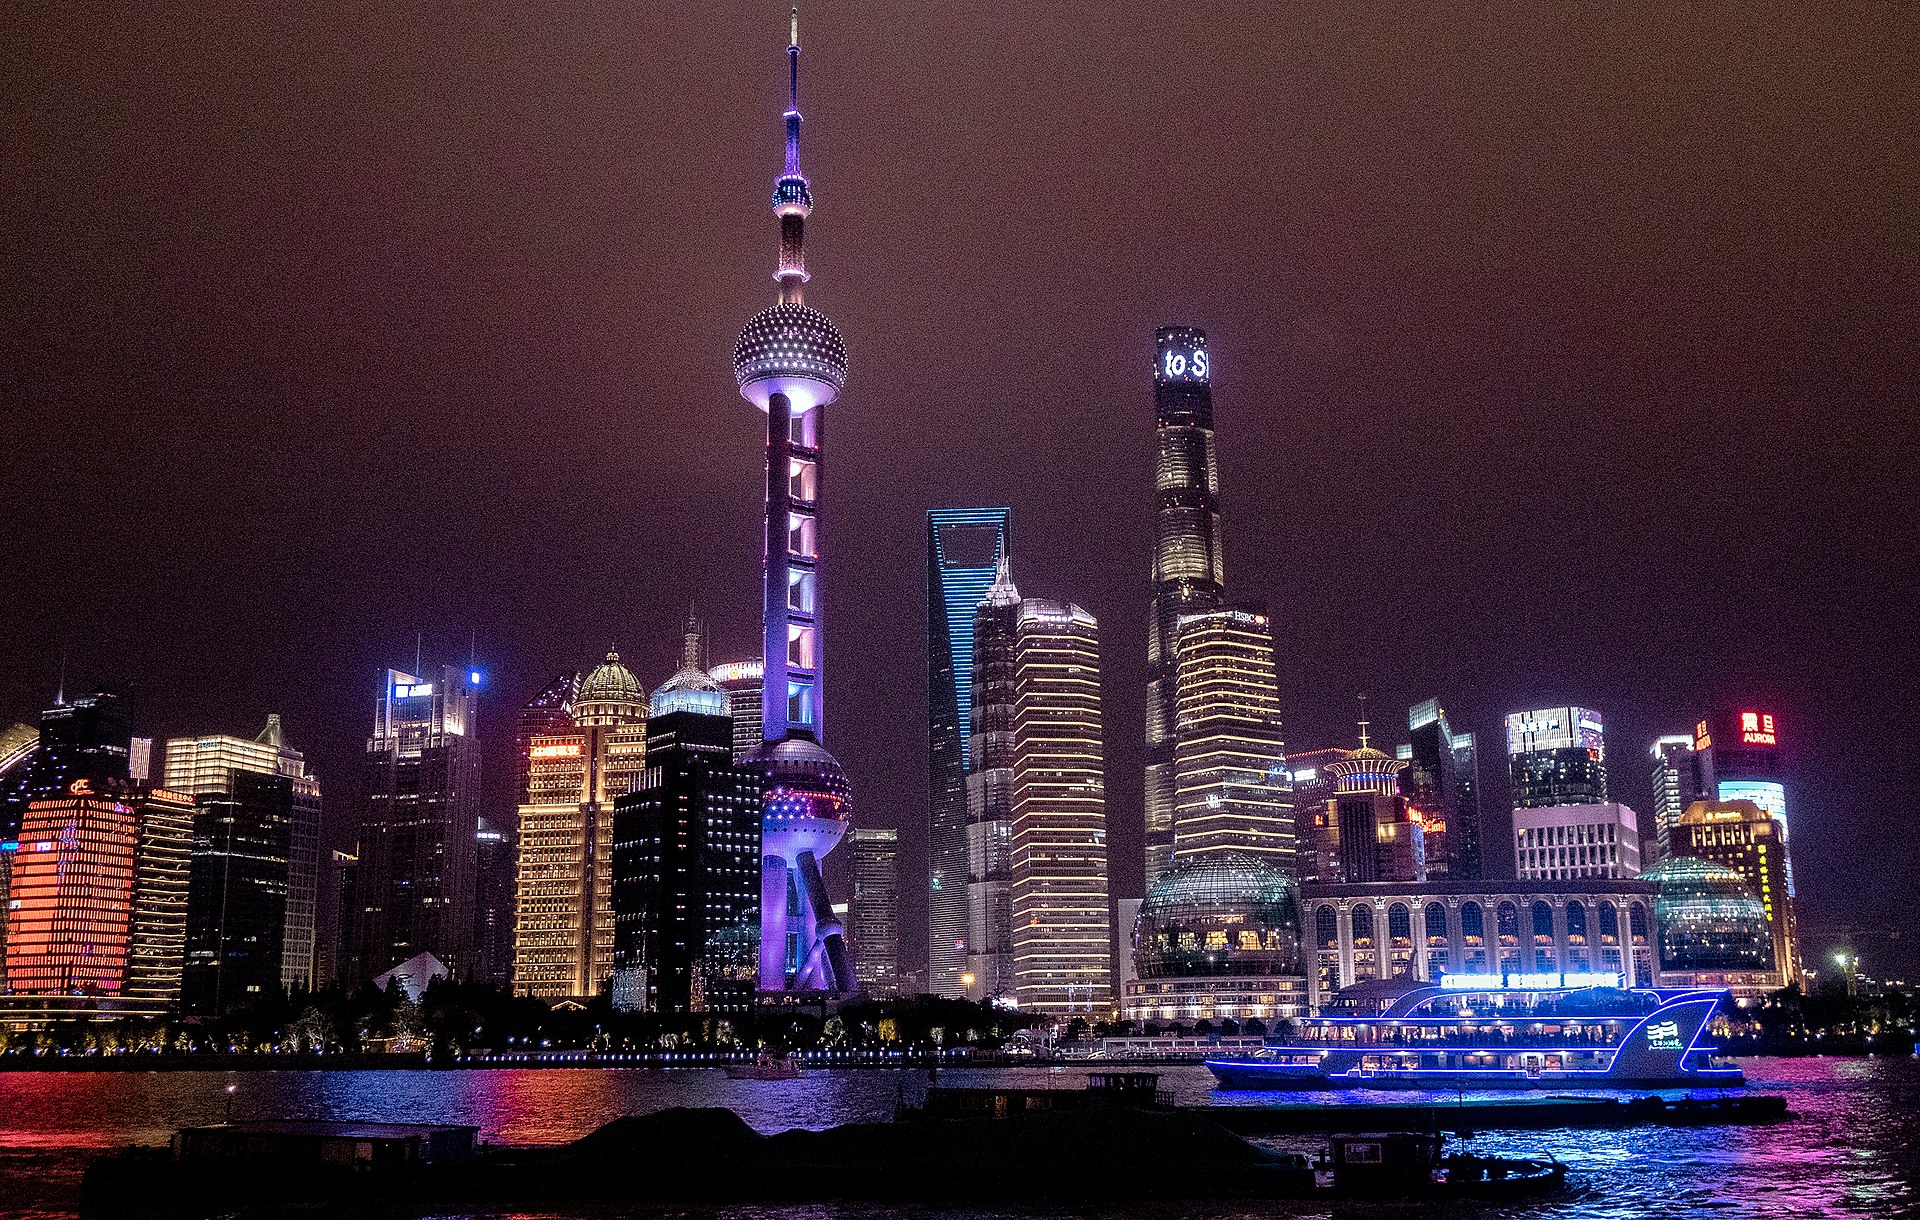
[791, 363]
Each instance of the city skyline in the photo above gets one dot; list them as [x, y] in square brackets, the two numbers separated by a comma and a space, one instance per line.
[1652, 668]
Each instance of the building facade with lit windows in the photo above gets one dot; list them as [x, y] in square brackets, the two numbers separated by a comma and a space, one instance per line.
[1442, 783]
[157, 942]
[990, 776]
[1388, 930]
[1216, 939]
[70, 908]
[1574, 842]
[1062, 925]
[563, 904]
[873, 918]
[1711, 930]
[686, 857]
[209, 768]
[1314, 833]
[1744, 837]
[415, 877]
[1369, 832]
[1232, 790]
[1557, 756]
[1677, 783]
[742, 682]
[1189, 573]
[965, 549]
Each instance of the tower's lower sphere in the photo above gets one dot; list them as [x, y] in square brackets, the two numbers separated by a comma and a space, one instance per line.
[804, 815]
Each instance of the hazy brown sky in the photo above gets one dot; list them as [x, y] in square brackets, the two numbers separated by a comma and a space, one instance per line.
[1562, 353]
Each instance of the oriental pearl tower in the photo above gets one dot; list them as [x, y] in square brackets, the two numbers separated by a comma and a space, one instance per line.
[790, 362]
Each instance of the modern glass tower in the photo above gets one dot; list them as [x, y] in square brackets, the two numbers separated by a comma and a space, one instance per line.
[1676, 784]
[791, 363]
[990, 777]
[964, 548]
[1557, 756]
[1188, 573]
[874, 916]
[1443, 783]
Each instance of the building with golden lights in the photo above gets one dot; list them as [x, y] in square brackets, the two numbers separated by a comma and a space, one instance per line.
[563, 926]
[1062, 929]
[1231, 787]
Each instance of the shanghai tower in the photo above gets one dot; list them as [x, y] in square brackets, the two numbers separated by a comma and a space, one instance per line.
[1188, 575]
[790, 362]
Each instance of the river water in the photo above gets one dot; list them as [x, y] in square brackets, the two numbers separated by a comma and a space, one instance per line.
[1852, 1150]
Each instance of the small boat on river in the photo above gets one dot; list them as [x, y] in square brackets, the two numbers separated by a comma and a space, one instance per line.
[767, 1067]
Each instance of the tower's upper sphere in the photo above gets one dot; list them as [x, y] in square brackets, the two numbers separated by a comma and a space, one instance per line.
[791, 350]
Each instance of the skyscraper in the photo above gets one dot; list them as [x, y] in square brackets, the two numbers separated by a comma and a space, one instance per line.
[964, 548]
[89, 738]
[990, 777]
[1557, 756]
[70, 911]
[1443, 783]
[237, 893]
[205, 769]
[414, 882]
[157, 941]
[1232, 791]
[686, 857]
[494, 873]
[873, 921]
[741, 681]
[1576, 842]
[1316, 836]
[1188, 572]
[1676, 784]
[791, 363]
[563, 925]
[1062, 927]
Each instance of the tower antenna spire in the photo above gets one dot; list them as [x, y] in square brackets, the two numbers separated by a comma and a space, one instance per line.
[1364, 722]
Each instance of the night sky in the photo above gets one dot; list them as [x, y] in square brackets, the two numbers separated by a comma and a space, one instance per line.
[1561, 354]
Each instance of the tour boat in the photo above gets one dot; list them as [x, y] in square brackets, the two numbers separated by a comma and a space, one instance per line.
[1514, 1031]
[767, 1067]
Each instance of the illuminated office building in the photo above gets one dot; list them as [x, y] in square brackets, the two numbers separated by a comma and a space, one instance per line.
[17, 747]
[686, 857]
[1442, 782]
[563, 921]
[791, 363]
[1571, 842]
[1232, 792]
[1062, 929]
[990, 776]
[1315, 831]
[742, 682]
[1738, 758]
[163, 857]
[86, 738]
[237, 894]
[1557, 756]
[965, 548]
[414, 890]
[1677, 783]
[275, 830]
[1188, 571]
[70, 908]
[493, 886]
[1370, 832]
[1749, 839]
[873, 919]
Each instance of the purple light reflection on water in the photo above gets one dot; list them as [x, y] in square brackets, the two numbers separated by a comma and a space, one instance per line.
[1854, 1150]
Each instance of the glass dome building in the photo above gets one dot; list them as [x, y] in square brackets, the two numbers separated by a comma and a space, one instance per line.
[1218, 938]
[1707, 920]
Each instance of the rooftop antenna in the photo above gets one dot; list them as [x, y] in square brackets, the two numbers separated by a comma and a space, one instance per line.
[416, 651]
[60, 691]
[1364, 722]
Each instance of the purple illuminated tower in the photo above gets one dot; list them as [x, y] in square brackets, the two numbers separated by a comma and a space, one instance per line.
[791, 363]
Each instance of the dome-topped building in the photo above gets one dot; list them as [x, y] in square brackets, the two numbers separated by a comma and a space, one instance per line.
[1710, 929]
[1218, 938]
[609, 694]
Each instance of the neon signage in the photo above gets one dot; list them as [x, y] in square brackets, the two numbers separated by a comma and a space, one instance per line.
[412, 690]
[567, 750]
[1756, 729]
[1547, 981]
[1701, 738]
[1185, 364]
